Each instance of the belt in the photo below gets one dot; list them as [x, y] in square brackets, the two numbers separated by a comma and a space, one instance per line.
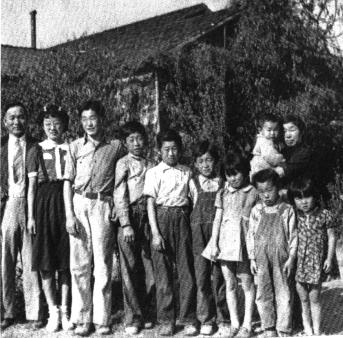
[183, 207]
[93, 195]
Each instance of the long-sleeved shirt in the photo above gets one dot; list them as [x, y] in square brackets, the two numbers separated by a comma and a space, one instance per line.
[288, 221]
[130, 177]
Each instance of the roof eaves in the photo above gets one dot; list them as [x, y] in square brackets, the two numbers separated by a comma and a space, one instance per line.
[208, 31]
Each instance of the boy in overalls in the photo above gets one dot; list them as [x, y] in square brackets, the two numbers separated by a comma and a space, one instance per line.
[272, 244]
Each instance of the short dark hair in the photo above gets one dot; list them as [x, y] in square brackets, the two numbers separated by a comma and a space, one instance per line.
[204, 147]
[94, 105]
[266, 175]
[169, 135]
[235, 163]
[16, 104]
[52, 110]
[132, 127]
[268, 117]
[301, 187]
[296, 120]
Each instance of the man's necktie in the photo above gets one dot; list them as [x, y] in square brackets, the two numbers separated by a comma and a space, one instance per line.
[17, 161]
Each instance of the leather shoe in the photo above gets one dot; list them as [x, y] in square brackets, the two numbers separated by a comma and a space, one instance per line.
[166, 330]
[83, 330]
[6, 323]
[37, 324]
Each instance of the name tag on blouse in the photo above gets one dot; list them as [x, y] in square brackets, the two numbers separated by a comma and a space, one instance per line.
[47, 156]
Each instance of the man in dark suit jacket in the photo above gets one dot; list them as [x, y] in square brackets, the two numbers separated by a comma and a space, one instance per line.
[15, 237]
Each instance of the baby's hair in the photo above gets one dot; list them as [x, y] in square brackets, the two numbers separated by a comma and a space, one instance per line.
[96, 106]
[204, 147]
[132, 127]
[302, 187]
[169, 135]
[268, 117]
[266, 175]
[296, 121]
[52, 110]
[15, 104]
[235, 163]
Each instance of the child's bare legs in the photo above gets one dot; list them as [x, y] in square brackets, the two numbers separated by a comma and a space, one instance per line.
[306, 308]
[49, 287]
[228, 269]
[315, 308]
[249, 297]
[64, 282]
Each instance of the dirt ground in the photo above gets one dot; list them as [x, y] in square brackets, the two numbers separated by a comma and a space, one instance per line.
[332, 314]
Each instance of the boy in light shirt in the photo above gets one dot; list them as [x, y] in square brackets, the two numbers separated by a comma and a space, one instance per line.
[166, 186]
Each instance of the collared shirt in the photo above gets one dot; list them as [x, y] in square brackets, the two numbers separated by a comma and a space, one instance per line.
[206, 184]
[16, 189]
[54, 158]
[236, 205]
[91, 165]
[288, 221]
[130, 177]
[168, 185]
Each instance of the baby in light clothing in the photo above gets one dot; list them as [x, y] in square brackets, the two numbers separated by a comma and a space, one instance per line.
[266, 153]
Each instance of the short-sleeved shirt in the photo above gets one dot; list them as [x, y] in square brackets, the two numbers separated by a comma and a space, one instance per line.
[50, 155]
[91, 165]
[168, 185]
[236, 205]
[130, 177]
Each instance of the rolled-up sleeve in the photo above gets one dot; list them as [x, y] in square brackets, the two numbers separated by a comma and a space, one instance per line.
[33, 161]
[151, 184]
[70, 166]
[121, 194]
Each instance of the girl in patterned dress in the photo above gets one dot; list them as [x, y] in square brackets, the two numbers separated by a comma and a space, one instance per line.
[316, 247]
[228, 242]
[46, 215]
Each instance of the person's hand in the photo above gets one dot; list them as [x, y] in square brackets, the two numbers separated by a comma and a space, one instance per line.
[280, 171]
[253, 267]
[327, 265]
[31, 226]
[128, 234]
[214, 251]
[157, 242]
[288, 267]
[72, 226]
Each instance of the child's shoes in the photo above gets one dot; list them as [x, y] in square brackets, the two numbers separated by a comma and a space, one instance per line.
[190, 330]
[148, 325]
[67, 325]
[234, 331]
[166, 330]
[54, 319]
[132, 330]
[223, 331]
[103, 330]
[269, 334]
[206, 329]
[244, 333]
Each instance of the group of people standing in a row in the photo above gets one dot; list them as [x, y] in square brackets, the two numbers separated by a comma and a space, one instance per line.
[59, 203]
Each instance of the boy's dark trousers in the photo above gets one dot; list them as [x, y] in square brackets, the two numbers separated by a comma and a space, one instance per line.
[211, 297]
[174, 227]
[136, 268]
